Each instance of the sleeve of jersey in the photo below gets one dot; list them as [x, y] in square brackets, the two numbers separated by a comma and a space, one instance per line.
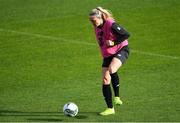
[120, 33]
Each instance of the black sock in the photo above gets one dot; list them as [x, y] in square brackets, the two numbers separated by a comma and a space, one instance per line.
[107, 95]
[115, 83]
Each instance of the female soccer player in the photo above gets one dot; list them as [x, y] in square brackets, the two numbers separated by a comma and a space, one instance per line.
[112, 40]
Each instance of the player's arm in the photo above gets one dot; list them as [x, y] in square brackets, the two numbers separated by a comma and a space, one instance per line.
[120, 32]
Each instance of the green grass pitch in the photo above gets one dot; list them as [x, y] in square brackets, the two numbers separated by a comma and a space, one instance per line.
[49, 56]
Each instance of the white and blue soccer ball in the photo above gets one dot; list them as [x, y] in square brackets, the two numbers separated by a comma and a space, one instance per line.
[70, 109]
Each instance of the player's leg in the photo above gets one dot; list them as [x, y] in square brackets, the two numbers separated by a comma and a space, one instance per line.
[106, 87]
[113, 68]
[115, 64]
[106, 78]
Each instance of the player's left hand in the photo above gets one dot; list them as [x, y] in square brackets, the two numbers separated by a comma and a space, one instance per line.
[109, 43]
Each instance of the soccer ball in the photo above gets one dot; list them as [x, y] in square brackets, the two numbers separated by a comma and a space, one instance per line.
[70, 109]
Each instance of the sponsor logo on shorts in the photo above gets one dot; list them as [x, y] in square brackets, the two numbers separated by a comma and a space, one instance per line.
[119, 55]
[118, 28]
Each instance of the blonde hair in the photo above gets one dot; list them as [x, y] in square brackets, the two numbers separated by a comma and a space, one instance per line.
[101, 13]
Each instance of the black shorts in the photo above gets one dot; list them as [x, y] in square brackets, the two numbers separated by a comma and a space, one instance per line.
[122, 55]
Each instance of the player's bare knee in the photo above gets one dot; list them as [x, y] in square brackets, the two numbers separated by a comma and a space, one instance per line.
[112, 69]
[106, 81]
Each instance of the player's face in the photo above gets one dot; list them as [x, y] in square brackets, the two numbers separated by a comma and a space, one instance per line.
[95, 21]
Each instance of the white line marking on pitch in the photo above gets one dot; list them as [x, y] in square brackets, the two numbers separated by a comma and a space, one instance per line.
[47, 37]
[153, 54]
[85, 43]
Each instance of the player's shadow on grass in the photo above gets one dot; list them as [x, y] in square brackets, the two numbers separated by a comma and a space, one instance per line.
[20, 113]
[37, 116]
[44, 120]
[43, 116]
